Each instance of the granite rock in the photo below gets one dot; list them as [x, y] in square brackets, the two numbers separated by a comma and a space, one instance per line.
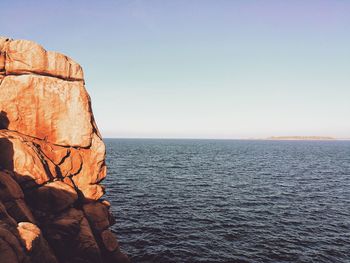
[52, 162]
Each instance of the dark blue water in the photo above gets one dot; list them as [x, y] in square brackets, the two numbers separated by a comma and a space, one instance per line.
[231, 201]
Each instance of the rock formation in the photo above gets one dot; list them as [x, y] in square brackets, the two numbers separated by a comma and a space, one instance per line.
[52, 160]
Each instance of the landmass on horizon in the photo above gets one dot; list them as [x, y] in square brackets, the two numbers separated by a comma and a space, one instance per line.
[301, 138]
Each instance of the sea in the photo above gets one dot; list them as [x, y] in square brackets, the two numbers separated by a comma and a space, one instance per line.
[230, 200]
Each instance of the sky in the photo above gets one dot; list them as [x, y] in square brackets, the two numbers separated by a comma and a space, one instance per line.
[201, 69]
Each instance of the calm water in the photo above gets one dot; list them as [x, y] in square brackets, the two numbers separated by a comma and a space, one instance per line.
[231, 201]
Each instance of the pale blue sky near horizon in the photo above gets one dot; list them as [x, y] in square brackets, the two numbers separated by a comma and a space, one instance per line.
[202, 69]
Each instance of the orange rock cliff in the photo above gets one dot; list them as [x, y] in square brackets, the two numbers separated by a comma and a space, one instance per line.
[52, 160]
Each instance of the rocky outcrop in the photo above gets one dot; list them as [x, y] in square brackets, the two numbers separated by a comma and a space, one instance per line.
[52, 161]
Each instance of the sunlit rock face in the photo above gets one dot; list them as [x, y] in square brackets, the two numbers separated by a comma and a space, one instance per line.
[52, 160]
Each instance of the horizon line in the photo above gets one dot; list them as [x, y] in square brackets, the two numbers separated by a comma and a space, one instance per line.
[227, 139]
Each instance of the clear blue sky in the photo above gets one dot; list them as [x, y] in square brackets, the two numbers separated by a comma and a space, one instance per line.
[202, 69]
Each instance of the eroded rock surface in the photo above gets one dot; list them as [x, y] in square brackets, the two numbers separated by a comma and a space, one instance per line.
[52, 160]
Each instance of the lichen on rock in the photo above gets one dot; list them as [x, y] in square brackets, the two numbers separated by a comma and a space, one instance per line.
[52, 160]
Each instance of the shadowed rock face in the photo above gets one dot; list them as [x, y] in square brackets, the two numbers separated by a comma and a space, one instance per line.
[52, 160]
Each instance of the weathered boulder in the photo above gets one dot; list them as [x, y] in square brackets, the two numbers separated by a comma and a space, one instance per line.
[93, 162]
[52, 197]
[23, 56]
[11, 250]
[71, 237]
[6, 220]
[47, 108]
[35, 244]
[64, 227]
[92, 191]
[109, 240]
[86, 243]
[9, 189]
[12, 197]
[98, 216]
[19, 211]
[20, 154]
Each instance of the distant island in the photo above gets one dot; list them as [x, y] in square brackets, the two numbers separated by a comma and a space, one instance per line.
[301, 138]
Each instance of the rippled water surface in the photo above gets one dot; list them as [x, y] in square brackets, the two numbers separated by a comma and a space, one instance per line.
[231, 201]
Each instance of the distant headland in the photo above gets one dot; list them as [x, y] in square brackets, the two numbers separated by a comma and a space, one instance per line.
[301, 138]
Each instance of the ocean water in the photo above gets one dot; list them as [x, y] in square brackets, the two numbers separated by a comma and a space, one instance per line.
[230, 200]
